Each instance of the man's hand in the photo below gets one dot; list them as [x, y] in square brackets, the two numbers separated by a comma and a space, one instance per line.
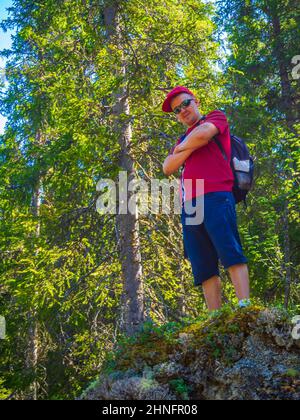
[177, 150]
[175, 161]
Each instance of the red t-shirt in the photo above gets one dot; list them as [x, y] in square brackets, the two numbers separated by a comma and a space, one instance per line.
[208, 162]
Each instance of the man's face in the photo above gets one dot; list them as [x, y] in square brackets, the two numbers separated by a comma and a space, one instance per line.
[190, 115]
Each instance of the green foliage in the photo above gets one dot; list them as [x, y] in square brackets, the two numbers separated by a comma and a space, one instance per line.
[4, 393]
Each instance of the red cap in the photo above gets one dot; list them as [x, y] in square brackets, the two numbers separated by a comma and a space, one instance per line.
[176, 91]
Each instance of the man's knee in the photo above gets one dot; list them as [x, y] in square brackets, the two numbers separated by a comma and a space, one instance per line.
[237, 266]
[213, 281]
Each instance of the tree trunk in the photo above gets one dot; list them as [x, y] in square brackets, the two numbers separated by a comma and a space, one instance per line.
[127, 224]
[287, 255]
[32, 355]
[290, 114]
[286, 87]
[33, 329]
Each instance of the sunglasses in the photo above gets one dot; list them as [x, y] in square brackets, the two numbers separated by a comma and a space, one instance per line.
[186, 103]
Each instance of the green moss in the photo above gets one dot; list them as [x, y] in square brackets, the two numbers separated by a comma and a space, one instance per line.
[151, 345]
[224, 323]
[180, 388]
[147, 384]
[93, 385]
[292, 373]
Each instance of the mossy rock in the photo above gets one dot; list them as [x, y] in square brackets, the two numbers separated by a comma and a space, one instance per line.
[250, 350]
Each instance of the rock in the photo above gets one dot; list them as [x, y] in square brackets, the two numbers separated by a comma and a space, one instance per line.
[134, 388]
[242, 355]
[167, 371]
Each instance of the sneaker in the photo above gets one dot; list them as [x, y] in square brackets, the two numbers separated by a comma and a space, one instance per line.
[244, 303]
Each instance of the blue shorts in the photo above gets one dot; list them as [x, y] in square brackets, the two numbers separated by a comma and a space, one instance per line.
[215, 238]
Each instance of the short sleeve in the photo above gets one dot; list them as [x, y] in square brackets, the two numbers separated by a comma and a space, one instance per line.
[218, 119]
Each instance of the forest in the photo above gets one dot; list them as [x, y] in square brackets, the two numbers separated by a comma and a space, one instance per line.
[84, 84]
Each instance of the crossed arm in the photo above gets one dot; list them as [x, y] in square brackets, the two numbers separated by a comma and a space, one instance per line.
[198, 138]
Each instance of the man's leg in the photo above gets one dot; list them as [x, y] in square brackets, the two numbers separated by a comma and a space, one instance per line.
[221, 225]
[204, 260]
[212, 289]
[240, 278]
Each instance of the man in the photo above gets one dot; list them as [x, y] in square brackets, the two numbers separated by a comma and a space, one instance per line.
[217, 237]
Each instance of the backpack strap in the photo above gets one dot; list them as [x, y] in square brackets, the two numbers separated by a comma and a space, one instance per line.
[220, 147]
[217, 142]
